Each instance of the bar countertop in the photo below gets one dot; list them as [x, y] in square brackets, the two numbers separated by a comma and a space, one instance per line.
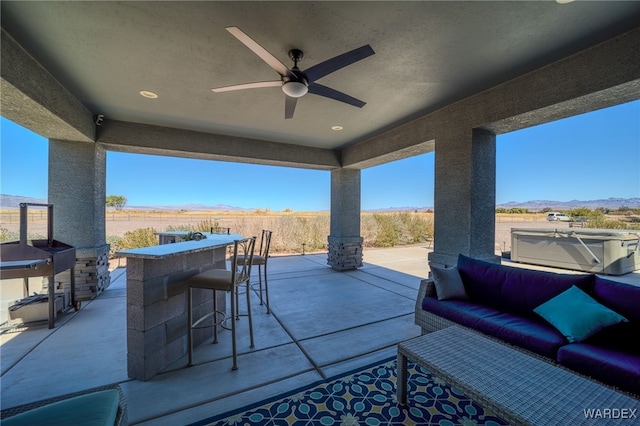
[185, 247]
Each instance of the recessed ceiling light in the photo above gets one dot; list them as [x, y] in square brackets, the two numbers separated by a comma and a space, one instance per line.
[564, 1]
[148, 94]
[337, 128]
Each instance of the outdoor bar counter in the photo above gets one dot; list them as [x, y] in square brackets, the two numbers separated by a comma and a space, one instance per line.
[157, 299]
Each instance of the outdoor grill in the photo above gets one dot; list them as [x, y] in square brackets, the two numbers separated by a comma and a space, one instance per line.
[38, 258]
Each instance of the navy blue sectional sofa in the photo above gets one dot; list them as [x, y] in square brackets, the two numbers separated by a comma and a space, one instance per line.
[501, 301]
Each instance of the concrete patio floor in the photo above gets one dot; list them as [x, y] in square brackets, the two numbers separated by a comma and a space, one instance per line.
[323, 324]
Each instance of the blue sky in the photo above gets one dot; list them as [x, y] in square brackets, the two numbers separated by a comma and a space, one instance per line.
[586, 157]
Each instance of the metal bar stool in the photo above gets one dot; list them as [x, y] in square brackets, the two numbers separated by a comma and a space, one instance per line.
[260, 260]
[228, 281]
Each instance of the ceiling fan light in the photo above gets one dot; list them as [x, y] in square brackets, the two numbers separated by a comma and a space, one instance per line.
[295, 89]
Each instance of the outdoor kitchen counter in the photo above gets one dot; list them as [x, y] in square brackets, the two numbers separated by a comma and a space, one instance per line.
[182, 248]
[156, 300]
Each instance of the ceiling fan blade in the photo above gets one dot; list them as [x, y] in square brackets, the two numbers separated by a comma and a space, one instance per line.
[271, 60]
[289, 106]
[256, 85]
[330, 65]
[327, 92]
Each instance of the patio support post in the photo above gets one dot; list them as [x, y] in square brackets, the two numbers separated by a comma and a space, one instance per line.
[345, 242]
[77, 190]
[465, 186]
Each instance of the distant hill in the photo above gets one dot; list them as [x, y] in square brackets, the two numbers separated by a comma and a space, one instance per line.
[609, 203]
[399, 209]
[13, 202]
[189, 207]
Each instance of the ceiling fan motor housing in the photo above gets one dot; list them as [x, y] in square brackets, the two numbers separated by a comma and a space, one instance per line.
[296, 55]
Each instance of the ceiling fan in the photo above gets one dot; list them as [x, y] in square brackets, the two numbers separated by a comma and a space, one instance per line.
[294, 82]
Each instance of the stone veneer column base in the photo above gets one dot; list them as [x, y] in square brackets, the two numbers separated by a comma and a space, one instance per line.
[345, 253]
[91, 274]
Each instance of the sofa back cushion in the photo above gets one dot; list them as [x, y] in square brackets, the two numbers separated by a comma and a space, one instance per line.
[622, 298]
[514, 289]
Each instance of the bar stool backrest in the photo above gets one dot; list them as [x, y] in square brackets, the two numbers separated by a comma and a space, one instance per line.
[241, 260]
[265, 244]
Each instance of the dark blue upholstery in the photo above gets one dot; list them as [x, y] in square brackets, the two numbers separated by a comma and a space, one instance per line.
[620, 297]
[501, 303]
[534, 335]
[463, 312]
[608, 364]
[511, 289]
[526, 332]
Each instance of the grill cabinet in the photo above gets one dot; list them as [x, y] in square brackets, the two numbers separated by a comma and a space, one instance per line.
[38, 258]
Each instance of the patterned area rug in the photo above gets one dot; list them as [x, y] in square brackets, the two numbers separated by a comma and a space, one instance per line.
[366, 397]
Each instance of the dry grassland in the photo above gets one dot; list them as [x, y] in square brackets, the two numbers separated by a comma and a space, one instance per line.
[291, 229]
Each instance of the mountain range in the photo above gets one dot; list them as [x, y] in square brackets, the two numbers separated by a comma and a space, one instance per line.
[13, 202]
[608, 203]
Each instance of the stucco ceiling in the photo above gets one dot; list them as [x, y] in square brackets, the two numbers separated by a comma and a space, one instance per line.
[428, 54]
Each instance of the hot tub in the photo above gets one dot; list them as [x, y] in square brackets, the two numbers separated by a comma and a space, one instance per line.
[600, 251]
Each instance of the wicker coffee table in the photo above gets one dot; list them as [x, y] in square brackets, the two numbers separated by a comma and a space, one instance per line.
[515, 386]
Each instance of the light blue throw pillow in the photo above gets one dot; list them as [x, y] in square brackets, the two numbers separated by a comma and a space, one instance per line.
[577, 315]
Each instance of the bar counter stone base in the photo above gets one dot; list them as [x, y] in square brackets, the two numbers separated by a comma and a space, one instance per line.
[156, 308]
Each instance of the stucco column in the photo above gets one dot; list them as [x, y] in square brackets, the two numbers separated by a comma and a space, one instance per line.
[465, 194]
[345, 242]
[77, 190]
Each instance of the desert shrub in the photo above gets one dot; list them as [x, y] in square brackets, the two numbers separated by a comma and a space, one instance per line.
[601, 222]
[415, 228]
[142, 237]
[584, 212]
[291, 230]
[314, 232]
[207, 225]
[114, 244]
[369, 229]
[187, 227]
[6, 235]
[389, 230]
[512, 210]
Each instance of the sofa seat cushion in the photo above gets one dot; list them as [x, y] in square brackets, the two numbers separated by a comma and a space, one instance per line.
[533, 335]
[514, 289]
[608, 364]
[97, 408]
[529, 333]
[462, 312]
